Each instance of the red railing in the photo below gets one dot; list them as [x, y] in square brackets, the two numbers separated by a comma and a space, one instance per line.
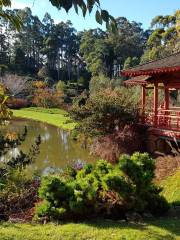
[166, 119]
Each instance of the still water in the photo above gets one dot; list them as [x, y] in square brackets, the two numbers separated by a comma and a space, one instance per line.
[57, 149]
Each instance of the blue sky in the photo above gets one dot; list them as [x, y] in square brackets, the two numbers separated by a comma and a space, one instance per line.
[139, 10]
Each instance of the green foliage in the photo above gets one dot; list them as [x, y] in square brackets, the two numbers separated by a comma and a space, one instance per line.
[61, 86]
[105, 111]
[104, 51]
[5, 112]
[84, 82]
[3, 69]
[102, 189]
[98, 83]
[43, 73]
[101, 82]
[164, 38]
[131, 62]
[97, 52]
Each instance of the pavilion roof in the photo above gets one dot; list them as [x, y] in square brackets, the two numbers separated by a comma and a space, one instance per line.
[164, 65]
[139, 80]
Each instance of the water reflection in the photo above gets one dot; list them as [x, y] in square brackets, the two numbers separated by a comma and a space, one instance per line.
[57, 150]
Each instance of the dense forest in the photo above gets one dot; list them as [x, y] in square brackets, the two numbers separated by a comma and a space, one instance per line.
[53, 52]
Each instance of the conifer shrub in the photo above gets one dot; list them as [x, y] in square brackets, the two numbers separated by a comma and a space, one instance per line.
[103, 190]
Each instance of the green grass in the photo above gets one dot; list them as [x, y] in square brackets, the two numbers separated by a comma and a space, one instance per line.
[171, 188]
[56, 117]
[161, 229]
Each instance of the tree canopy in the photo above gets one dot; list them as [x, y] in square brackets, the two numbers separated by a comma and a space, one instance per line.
[164, 38]
[103, 50]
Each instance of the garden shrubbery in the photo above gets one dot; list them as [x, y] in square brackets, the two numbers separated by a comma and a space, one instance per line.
[17, 103]
[105, 112]
[46, 97]
[103, 190]
[18, 194]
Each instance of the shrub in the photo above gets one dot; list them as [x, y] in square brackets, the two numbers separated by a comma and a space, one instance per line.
[17, 103]
[47, 98]
[49, 81]
[102, 190]
[5, 113]
[61, 86]
[99, 83]
[18, 195]
[39, 85]
[43, 72]
[105, 112]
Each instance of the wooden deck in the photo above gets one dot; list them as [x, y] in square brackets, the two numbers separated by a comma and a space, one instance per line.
[166, 124]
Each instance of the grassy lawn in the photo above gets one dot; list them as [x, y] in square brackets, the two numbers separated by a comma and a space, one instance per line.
[162, 229]
[56, 117]
[171, 187]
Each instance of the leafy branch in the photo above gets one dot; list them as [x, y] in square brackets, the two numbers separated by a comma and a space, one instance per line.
[102, 16]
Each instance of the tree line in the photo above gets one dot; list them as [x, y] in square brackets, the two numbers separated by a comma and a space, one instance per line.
[56, 51]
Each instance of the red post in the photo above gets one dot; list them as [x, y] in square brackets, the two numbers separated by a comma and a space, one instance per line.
[166, 105]
[166, 94]
[155, 103]
[143, 102]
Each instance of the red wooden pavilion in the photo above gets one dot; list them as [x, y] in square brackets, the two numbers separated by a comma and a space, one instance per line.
[164, 74]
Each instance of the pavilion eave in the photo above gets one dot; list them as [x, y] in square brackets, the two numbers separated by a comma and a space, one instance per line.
[139, 80]
[149, 72]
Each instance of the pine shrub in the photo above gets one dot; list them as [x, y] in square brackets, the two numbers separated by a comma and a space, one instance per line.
[102, 190]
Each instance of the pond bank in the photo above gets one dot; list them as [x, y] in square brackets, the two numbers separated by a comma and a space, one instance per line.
[55, 117]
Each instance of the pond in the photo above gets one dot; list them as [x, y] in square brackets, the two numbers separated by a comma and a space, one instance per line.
[57, 149]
